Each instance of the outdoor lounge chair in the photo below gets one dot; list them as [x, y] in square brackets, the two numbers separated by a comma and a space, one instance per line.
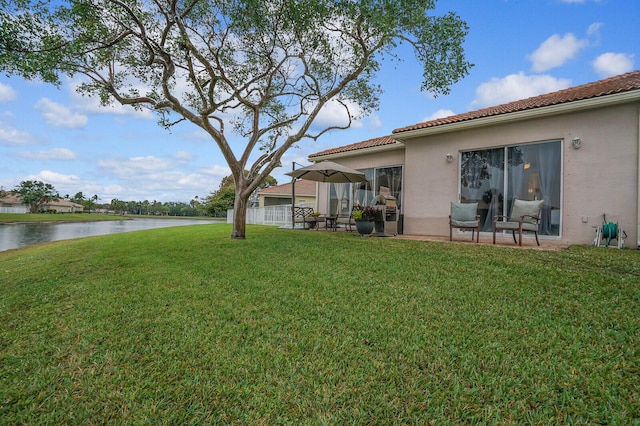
[347, 220]
[464, 216]
[525, 216]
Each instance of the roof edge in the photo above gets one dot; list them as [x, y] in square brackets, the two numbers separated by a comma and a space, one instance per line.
[360, 151]
[584, 104]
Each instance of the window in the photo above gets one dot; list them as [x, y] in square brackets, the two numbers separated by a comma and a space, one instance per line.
[494, 177]
[343, 196]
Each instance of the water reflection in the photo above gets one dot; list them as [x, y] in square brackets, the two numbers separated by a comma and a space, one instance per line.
[15, 235]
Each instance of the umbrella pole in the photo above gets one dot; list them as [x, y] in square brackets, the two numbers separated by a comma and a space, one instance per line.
[293, 197]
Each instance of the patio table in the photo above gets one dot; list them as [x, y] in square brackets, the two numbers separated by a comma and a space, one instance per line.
[330, 223]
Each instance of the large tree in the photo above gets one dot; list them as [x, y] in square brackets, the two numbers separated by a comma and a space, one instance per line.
[256, 70]
[35, 194]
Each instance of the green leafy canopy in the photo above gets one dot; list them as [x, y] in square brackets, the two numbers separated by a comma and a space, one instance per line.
[259, 70]
[35, 194]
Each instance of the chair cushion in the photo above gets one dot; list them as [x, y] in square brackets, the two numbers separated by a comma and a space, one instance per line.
[526, 208]
[515, 225]
[465, 223]
[507, 225]
[533, 227]
[464, 212]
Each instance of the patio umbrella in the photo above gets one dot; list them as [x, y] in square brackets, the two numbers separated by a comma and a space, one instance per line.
[324, 171]
[328, 171]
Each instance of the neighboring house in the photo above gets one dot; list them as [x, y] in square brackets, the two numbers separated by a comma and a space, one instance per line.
[12, 204]
[63, 206]
[578, 149]
[281, 194]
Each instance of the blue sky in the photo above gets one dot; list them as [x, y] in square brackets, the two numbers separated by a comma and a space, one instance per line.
[520, 48]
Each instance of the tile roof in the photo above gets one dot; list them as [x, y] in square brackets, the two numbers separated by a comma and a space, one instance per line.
[11, 199]
[618, 84]
[63, 203]
[370, 143]
[17, 199]
[303, 187]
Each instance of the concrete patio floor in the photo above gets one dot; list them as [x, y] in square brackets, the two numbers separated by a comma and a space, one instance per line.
[528, 242]
[506, 240]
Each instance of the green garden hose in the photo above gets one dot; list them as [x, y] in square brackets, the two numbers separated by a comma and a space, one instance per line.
[609, 231]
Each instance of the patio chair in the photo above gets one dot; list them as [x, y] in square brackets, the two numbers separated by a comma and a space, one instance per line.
[465, 216]
[347, 220]
[525, 216]
[307, 217]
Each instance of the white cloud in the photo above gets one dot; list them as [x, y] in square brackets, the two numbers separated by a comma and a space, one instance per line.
[514, 87]
[375, 122]
[52, 154]
[183, 156]
[139, 177]
[216, 171]
[6, 93]
[69, 183]
[56, 179]
[11, 136]
[59, 115]
[135, 166]
[610, 64]
[441, 113]
[334, 114]
[594, 29]
[91, 104]
[555, 51]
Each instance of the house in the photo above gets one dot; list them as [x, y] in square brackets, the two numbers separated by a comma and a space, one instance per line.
[12, 203]
[281, 194]
[577, 149]
[63, 206]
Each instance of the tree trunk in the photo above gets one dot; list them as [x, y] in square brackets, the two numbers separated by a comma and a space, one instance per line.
[239, 217]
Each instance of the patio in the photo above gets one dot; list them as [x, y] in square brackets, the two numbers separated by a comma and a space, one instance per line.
[505, 240]
[501, 240]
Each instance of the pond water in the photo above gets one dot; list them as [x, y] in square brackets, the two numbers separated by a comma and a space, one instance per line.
[16, 235]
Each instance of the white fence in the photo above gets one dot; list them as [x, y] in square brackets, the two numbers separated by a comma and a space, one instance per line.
[14, 209]
[271, 215]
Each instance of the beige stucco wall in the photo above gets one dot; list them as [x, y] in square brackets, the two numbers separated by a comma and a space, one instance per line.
[599, 177]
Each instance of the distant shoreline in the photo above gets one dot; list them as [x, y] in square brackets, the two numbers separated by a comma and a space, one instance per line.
[22, 218]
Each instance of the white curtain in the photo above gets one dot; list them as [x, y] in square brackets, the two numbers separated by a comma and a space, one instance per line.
[363, 193]
[548, 157]
[496, 182]
[516, 174]
[341, 192]
[515, 177]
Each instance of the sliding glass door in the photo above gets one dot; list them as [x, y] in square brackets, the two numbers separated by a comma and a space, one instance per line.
[482, 182]
[535, 174]
[495, 177]
[381, 180]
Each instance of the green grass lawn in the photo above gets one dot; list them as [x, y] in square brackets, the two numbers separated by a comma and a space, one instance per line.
[186, 326]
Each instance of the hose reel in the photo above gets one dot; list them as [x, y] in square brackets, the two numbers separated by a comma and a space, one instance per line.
[607, 232]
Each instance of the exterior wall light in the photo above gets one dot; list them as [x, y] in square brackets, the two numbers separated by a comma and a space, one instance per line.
[576, 142]
[449, 158]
